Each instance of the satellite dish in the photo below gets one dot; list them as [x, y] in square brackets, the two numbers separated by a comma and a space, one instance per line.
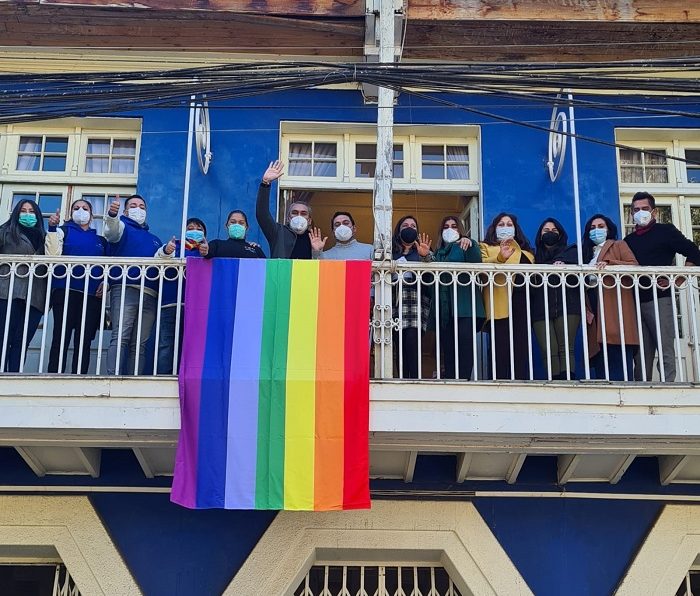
[558, 129]
[202, 132]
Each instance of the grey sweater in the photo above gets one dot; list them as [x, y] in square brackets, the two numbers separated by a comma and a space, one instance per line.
[350, 251]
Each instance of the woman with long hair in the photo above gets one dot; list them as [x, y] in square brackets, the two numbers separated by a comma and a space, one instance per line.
[408, 245]
[22, 234]
[505, 244]
[601, 247]
[556, 301]
[76, 237]
[458, 313]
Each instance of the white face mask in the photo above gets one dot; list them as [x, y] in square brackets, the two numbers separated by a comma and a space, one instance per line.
[343, 233]
[505, 232]
[81, 216]
[298, 224]
[450, 235]
[642, 218]
[137, 214]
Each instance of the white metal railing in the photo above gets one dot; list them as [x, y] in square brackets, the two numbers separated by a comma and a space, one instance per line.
[119, 316]
[538, 322]
[339, 579]
[430, 321]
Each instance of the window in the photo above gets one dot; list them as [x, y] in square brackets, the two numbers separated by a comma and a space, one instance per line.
[366, 160]
[56, 162]
[110, 156]
[445, 162]
[42, 154]
[343, 156]
[100, 203]
[643, 167]
[313, 159]
[692, 166]
[48, 202]
[322, 580]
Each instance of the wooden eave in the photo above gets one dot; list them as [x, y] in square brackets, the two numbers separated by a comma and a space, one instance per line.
[460, 30]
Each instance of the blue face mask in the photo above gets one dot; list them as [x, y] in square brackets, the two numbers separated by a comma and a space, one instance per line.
[236, 231]
[28, 220]
[194, 236]
[598, 235]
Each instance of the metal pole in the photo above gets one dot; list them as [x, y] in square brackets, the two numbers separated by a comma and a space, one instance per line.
[188, 166]
[574, 165]
[383, 186]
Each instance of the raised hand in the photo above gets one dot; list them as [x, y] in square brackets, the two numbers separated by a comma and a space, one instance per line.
[464, 243]
[55, 218]
[274, 171]
[114, 207]
[203, 248]
[317, 240]
[170, 246]
[507, 249]
[423, 245]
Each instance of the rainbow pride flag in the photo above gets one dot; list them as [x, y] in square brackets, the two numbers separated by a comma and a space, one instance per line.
[274, 385]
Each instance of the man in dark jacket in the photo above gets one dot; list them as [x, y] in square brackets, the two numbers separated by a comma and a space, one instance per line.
[129, 236]
[656, 245]
[290, 240]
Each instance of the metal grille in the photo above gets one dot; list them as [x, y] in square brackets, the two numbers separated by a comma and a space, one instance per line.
[376, 580]
[690, 585]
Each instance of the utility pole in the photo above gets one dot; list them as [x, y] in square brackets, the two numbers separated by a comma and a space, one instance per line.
[381, 24]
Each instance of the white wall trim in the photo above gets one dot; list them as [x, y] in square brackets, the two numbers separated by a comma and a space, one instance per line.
[72, 527]
[666, 555]
[452, 533]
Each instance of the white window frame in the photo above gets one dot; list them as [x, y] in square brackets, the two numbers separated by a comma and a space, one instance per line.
[314, 138]
[347, 135]
[688, 187]
[69, 194]
[101, 135]
[369, 140]
[649, 146]
[78, 130]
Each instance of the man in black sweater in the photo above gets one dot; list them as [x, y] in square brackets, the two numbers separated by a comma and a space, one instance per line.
[290, 240]
[656, 245]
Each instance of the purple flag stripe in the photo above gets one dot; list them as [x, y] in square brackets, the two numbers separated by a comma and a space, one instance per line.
[241, 460]
[197, 295]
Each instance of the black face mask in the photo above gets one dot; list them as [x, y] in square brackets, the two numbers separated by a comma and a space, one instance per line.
[550, 238]
[408, 235]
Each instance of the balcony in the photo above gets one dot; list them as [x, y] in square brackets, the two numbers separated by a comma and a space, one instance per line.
[592, 415]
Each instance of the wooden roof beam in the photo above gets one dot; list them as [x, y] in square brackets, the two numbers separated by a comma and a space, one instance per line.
[630, 11]
[317, 8]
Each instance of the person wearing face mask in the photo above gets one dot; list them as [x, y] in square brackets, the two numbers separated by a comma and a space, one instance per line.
[552, 248]
[129, 236]
[75, 237]
[235, 246]
[347, 247]
[195, 238]
[22, 234]
[454, 246]
[290, 240]
[656, 245]
[505, 243]
[408, 245]
[600, 247]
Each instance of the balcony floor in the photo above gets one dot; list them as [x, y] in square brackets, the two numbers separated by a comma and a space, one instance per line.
[594, 429]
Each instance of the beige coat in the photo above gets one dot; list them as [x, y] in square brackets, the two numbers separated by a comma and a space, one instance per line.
[614, 252]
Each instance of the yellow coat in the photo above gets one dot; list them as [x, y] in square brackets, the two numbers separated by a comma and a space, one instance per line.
[489, 254]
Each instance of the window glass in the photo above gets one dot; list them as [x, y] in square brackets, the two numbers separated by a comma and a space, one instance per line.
[47, 154]
[366, 160]
[693, 169]
[445, 162]
[639, 167]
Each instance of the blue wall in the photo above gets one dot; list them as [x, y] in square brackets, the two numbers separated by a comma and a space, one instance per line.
[245, 138]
